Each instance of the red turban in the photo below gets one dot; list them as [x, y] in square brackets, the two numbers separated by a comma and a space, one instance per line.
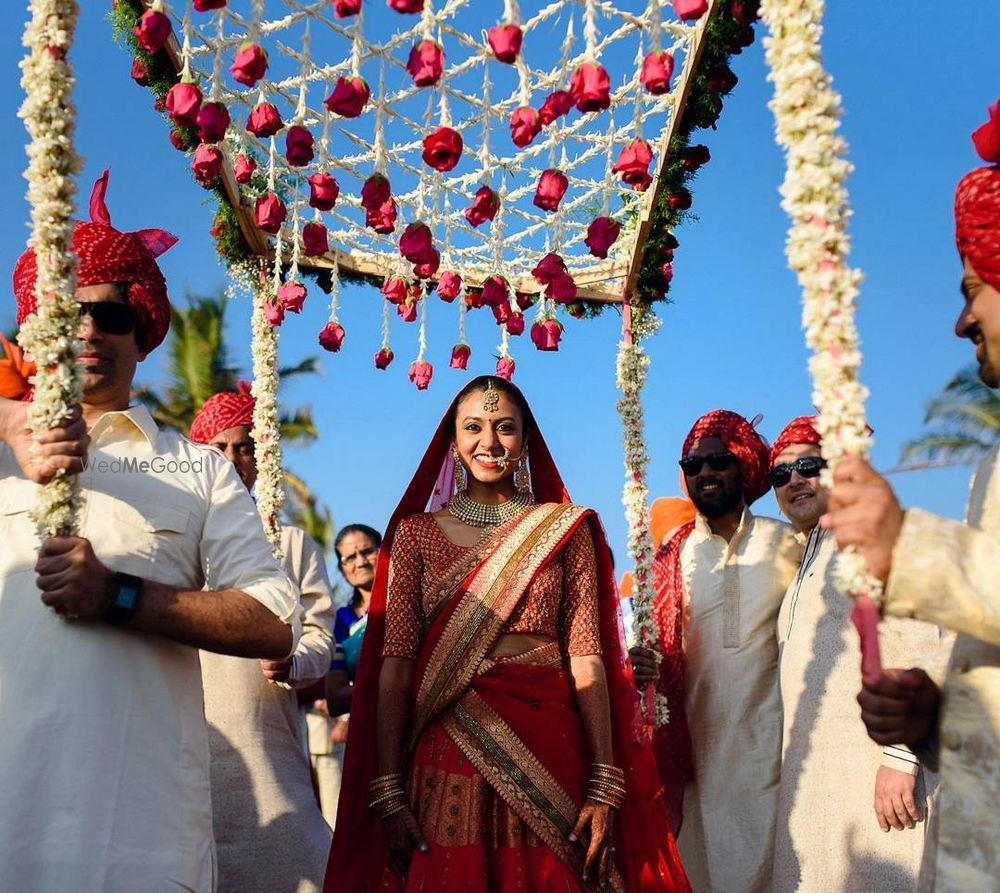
[800, 430]
[977, 205]
[108, 255]
[742, 440]
[223, 411]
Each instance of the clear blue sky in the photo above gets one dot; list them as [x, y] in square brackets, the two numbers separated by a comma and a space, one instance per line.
[915, 84]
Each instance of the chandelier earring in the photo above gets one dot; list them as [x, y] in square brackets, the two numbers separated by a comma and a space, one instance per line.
[522, 481]
[461, 479]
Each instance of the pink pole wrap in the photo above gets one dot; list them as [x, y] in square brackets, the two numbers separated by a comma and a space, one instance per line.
[865, 617]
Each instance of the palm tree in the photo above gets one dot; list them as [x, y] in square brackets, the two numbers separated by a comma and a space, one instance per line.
[967, 413]
[199, 365]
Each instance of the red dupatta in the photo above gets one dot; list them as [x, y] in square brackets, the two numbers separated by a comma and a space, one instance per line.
[357, 853]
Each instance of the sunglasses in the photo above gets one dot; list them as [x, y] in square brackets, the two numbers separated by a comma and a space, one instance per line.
[110, 317]
[691, 465]
[807, 467]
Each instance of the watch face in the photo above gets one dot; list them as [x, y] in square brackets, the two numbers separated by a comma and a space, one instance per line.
[127, 596]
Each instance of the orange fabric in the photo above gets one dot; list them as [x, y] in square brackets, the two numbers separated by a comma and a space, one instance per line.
[15, 371]
[667, 514]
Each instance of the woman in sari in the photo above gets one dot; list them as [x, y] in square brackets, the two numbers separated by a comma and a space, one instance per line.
[496, 743]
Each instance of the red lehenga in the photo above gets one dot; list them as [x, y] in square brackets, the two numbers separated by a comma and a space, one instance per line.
[498, 759]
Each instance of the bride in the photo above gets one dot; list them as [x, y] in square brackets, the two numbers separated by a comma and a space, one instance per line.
[495, 739]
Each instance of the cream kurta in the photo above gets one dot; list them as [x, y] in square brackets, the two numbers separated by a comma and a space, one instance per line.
[104, 763]
[949, 574]
[827, 836]
[733, 591]
[269, 833]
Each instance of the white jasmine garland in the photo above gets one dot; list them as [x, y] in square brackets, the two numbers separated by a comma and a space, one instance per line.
[806, 113]
[49, 335]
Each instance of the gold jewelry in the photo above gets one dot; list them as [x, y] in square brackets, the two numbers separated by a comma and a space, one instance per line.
[478, 514]
[459, 473]
[491, 397]
[522, 480]
[386, 795]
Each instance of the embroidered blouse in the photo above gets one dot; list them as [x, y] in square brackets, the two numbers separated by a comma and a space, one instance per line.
[561, 601]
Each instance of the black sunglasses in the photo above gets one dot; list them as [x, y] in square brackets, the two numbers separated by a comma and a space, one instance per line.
[691, 465]
[110, 317]
[807, 467]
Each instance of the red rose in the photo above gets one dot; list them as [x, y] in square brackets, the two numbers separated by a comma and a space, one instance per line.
[667, 254]
[429, 267]
[657, 69]
[473, 298]
[206, 164]
[417, 244]
[323, 192]
[292, 296]
[505, 368]
[269, 213]
[244, 168]
[426, 63]
[460, 356]
[349, 97]
[442, 149]
[407, 310]
[633, 165]
[690, 9]
[264, 120]
[342, 9]
[740, 40]
[986, 139]
[502, 311]
[525, 125]
[548, 268]
[249, 65]
[745, 11]
[505, 41]
[421, 371]
[545, 335]
[601, 235]
[693, 157]
[383, 218]
[666, 273]
[449, 286]
[708, 111]
[208, 5]
[139, 73]
[213, 120]
[383, 357]
[314, 240]
[680, 199]
[524, 300]
[375, 192]
[515, 324]
[562, 289]
[332, 337]
[484, 206]
[555, 106]
[552, 186]
[495, 291]
[395, 290]
[298, 145]
[181, 140]
[590, 88]
[274, 313]
[721, 80]
[152, 31]
[183, 103]
[575, 309]
[670, 242]
[406, 5]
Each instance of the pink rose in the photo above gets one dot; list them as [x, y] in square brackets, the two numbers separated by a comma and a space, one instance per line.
[406, 5]
[690, 9]
[449, 286]
[274, 313]
[298, 145]
[426, 63]
[416, 243]
[383, 358]
[292, 296]
[407, 310]
[555, 106]
[460, 356]
[183, 103]
[562, 289]
[206, 164]
[139, 73]
[484, 206]
[495, 291]
[525, 125]
[442, 149]
[152, 31]
[421, 371]
[515, 324]
[633, 165]
[349, 97]
[552, 186]
[342, 9]
[545, 335]
[590, 88]
[375, 192]
[208, 5]
[331, 337]
[323, 192]
[667, 273]
[429, 267]
[693, 157]
[601, 235]
[269, 213]
[721, 80]
[213, 120]
[548, 268]
[679, 199]
[244, 168]
[264, 120]
[657, 69]
[383, 218]
[395, 289]
[314, 239]
[249, 65]
[505, 368]
[505, 41]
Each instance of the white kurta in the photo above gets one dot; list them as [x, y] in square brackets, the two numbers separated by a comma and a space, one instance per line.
[269, 832]
[733, 591]
[104, 762]
[827, 836]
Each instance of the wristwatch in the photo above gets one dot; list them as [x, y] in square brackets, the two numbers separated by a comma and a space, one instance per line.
[124, 598]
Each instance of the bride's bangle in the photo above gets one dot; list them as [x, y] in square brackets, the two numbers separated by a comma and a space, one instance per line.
[386, 795]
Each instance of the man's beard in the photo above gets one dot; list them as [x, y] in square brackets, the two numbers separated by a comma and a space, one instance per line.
[721, 502]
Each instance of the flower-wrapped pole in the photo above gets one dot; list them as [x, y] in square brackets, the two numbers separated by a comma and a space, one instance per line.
[632, 368]
[49, 335]
[814, 194]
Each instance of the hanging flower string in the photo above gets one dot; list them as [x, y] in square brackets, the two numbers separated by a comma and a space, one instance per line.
[49, 335]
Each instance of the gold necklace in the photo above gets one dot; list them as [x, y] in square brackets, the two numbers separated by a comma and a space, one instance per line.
[487, 516]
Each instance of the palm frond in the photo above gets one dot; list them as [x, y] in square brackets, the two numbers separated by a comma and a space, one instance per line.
[308, 366]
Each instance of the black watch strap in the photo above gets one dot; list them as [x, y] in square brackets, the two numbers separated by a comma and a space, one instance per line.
[125, 598]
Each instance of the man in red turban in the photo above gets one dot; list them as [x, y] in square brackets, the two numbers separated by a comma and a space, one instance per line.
[719, 582]
[268, 826]
[948, 574]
